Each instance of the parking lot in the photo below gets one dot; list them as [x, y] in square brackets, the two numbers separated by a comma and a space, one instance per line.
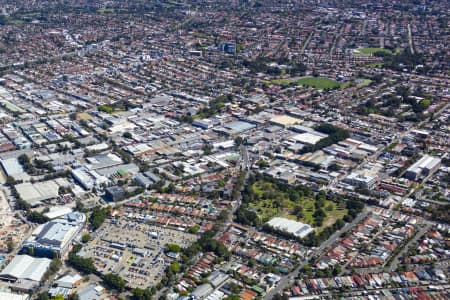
[134, 250]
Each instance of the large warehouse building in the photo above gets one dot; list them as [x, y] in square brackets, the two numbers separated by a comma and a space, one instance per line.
[295, 228]
[425, 166]
[13, 168]
[35, 193]
[25, 267]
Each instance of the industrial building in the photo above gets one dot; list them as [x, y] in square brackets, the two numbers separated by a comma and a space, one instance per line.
[308, 138]
[65, 285]
[143, 181]
[238, 127]
[13, 168]
[425, 166]
[5, 295]
[295, 228]
[35, 193]
[101, 161]
[25, 267]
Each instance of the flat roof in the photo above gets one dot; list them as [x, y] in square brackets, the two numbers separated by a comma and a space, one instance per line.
[34, 193]
[239, 126]
[307, 138]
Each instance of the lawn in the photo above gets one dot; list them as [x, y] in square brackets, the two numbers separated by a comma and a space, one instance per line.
[286, 81]
[270, 201]
[364, 82]
[14, 21]
[371, 51]
[374, 65]
[84, 116]
[106, 10]
[314, 82]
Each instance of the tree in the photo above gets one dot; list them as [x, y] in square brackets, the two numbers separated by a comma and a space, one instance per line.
[79, 206]
[84, 265]
[238, 141]
[86, 238]
[262, 164]
[105, 108]
[73, 296]
[207, 150]
[114, 281]
[140, 294]
[127, 135]
[10, 181]
[54, 267]
[298, 211]
[280, 297]
[37, 217]
[194, 229]
[43, 296]
[97, 217]
[172, 248]
[247, 217]
[334, 167]
[10, 246]
[232, 297]
[174, 267]
[337, 270]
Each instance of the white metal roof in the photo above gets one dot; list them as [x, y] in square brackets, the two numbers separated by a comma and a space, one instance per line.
[27, 267]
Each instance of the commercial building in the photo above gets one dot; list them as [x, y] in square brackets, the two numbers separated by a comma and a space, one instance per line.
[114, 193]
[295, 228]
[88, 179]
[229, 48]
[55, 236]
[204, 124]
[425, 166]
[361, 180]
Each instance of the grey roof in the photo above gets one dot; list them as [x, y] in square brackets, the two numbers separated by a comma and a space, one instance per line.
[102, 161]
[153, 177]
[130, 168]
[91, 293]
[239, 126]
[142, 180]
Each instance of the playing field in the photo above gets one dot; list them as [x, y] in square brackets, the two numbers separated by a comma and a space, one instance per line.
[371, 51]
[314, 82]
